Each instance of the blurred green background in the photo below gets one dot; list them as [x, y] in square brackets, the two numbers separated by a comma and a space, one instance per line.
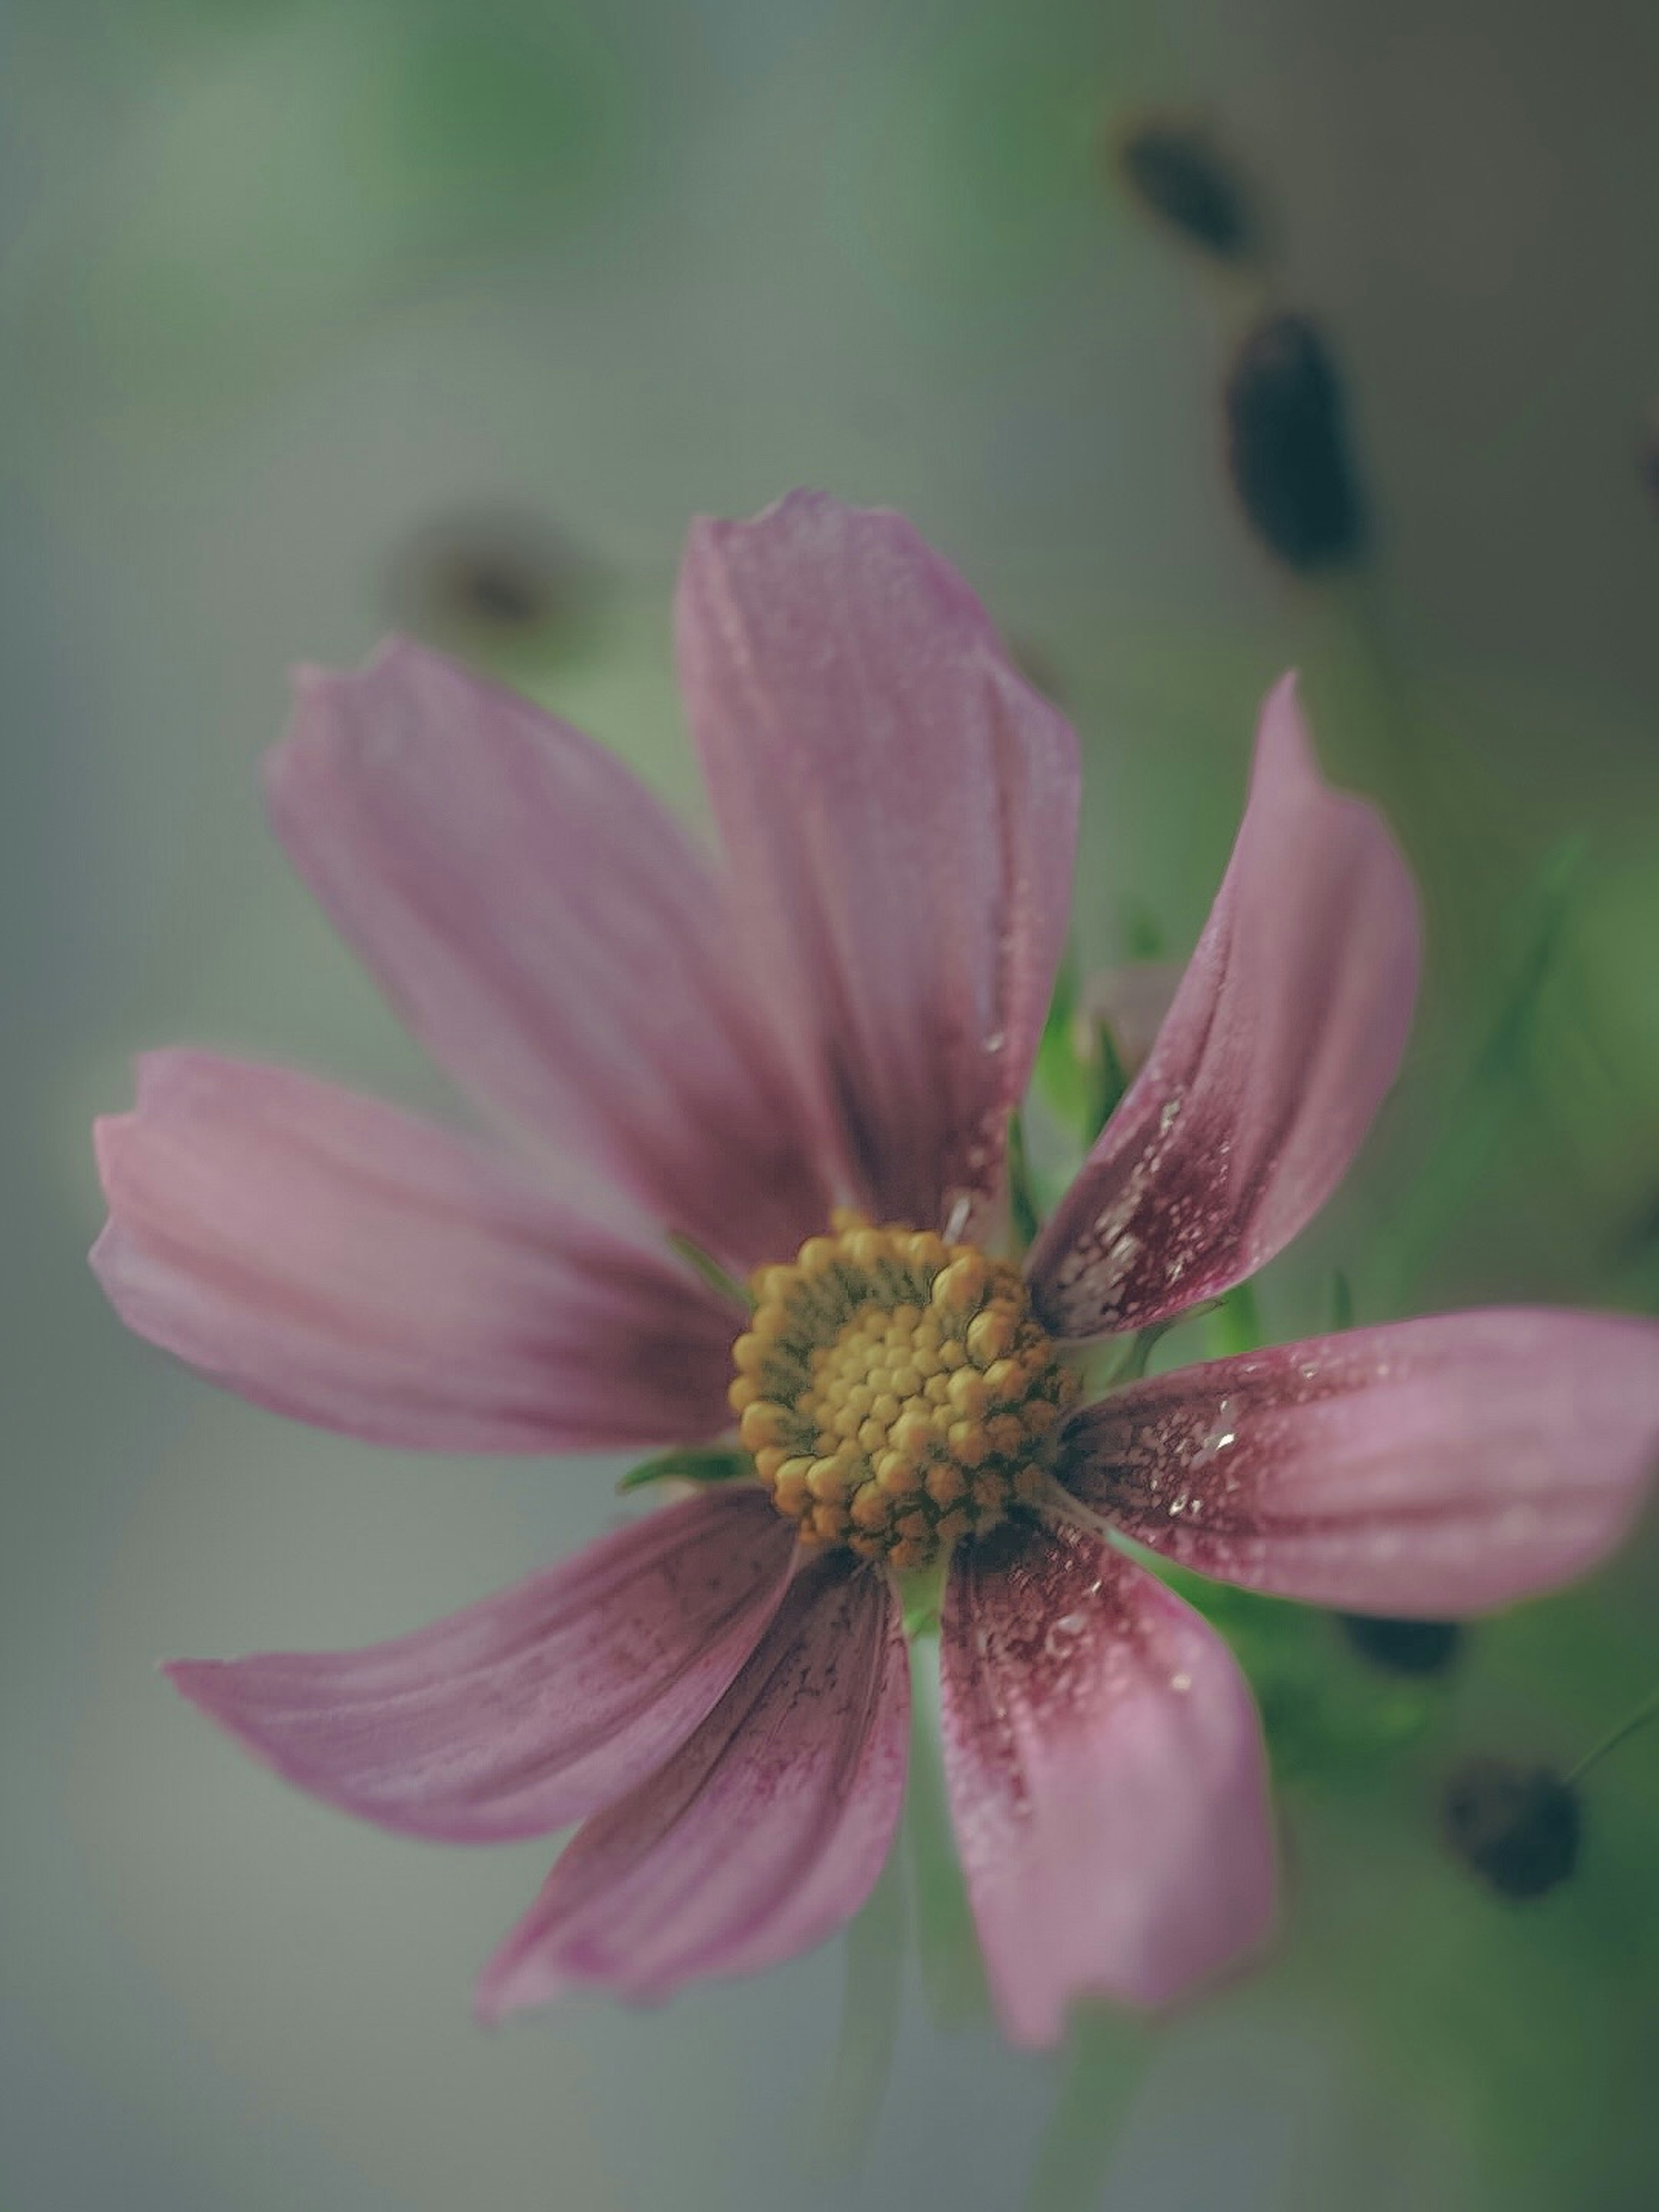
[321, 315]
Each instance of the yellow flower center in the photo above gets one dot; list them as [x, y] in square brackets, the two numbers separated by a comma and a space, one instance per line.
[895, 1392]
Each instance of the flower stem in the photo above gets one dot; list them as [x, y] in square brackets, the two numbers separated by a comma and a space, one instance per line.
[871, 1998]
[1647, 1710]
[1104, 2055]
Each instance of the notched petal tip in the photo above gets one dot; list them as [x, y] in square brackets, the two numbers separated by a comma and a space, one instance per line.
[111, 1134]
[898, 806]
[762, 1835]
[1433, 1469]
[307, 677]
[530, 1709]
[1282, 1041]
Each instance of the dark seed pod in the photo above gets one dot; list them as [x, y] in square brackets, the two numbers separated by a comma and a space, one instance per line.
[479, 577]
[1173, 169]
[1516, 1826]
[1403, 1647]
[1287, 445]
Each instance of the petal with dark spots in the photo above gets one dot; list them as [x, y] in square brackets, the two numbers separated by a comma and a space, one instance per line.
[763, 1834]
[1427, 1469]
[1107, 1778]
[1281, 1042]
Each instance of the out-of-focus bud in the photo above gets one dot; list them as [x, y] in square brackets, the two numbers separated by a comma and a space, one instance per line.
[1516, 1826]
[1173, 168]
[1287, 445]
[1131, 1002]
[481, 579]
[1403, 1647]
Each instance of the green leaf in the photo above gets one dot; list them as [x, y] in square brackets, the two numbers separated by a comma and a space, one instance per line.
[1107, 1083]
[1026, 1219]
[1143, 933]
[1237, 1325]
[1059, 1073]
[695, 1463]
[1497, 1080]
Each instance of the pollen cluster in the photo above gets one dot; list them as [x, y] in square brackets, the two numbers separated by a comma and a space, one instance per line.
[895, 1392]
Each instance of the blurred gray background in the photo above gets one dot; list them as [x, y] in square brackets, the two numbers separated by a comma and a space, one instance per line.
[312, 309]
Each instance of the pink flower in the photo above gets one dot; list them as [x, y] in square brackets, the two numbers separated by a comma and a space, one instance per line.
[844, 1016]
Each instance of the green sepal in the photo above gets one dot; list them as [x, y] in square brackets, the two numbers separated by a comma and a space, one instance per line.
[1059, 1073]
[694, 1463]
[1082, 1088]
[1026, 1216]
[716, 1277]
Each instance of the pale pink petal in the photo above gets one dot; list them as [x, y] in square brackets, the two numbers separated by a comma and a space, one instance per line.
[1106, 1780]
[548, 932]
[534, 1708]
[1433, 1468]
[336, 1259]
[760, 1837]
[900, 810]
[1283, 1038]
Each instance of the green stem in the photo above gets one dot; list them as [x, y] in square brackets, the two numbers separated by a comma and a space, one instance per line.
[872, 2000]
[1105, 2053]
[1645, 1712]
[1477, 1119]
[952, 1974]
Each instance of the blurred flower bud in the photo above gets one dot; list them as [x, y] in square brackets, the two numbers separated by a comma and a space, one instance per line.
[1130, 1002]
[1403, 1647]
[1173, 169]
[1287, 445]
[1516, 1826]
[480, 578]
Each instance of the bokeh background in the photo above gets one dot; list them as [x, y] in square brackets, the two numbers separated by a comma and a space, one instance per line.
[319, 316]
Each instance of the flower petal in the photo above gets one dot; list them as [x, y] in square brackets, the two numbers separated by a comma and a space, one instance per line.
[1283, 1037]
[760, 1835]
[548, 932]
[1106, 1780]
[535, 1707]
[1428, 1469]
[336, 1259]
[900, 810]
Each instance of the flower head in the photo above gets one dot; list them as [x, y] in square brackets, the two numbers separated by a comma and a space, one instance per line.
[804, 1065]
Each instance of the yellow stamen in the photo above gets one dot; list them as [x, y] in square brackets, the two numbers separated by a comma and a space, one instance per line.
[896, 1392]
